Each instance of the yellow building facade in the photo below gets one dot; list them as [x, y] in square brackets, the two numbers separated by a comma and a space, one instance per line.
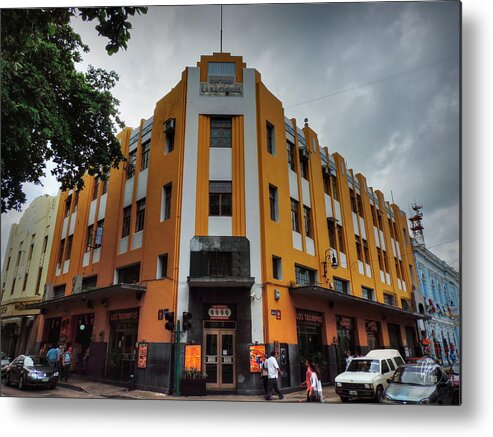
[230, 211]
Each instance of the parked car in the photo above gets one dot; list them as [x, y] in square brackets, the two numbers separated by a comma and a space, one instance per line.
[4, 362]
[419, 383]
[366, 377]
[31, 370]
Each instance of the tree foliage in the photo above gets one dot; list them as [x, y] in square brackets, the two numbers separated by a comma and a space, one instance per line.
[51, 111]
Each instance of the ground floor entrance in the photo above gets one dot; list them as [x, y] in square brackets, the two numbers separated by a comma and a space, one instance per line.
[220, 358]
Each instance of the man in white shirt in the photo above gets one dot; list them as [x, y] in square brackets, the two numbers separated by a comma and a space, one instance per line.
[273, 371]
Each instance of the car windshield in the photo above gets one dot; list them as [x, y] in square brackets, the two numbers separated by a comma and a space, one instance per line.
[416, 375]
[36, 362]
[371, 366]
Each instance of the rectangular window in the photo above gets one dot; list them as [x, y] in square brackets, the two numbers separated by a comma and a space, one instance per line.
[360, 205]
[167, 202]
[405, 305]
[69, 247]
[89, 283]
[386, 262]
[104, 190]
[353, 200]
[169, 132]
[146, 151]
[391, 229]
[220, 263]
[99, 234]
[60, 252]
[132, 159]
[291, 160]
[326, 182]
[380, 261]
[76, 201]
[8, 263]
[162, 266]
[68, 201]
[341, 286]
[335, 192]
[95, 188]
[406, 237]
[340, 236]
[19, 254]
[129, 275]
[13, 286]
[127, 216]
[276, 267]
[24, 285]
[141, 210]
[305, 276]
[358, 249]
[31, 248]
[366, 252]
[220, 198]
[38, 281]
[304, 167]
[397, 270]
[367, 293]
[221, 132]
[90, 231]
[307, 215]
[271, 145]
[59, 291]
[273, 203]
[388, 299]
[45, 244]
[295, 215]
[332, 233]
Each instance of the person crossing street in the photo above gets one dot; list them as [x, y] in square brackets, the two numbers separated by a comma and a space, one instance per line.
[273, 373]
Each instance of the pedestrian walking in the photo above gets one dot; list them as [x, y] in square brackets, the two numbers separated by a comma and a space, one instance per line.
[264, 374]
[315, 394]
[66, 361]
[272, 373]
[52, 355]
[307, 384]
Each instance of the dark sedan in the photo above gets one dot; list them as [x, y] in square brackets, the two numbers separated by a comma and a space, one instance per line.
[31, 370]
[419, 383]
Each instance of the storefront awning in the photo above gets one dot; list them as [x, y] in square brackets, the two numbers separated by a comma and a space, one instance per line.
[221, 282]
[334, 296]
[97, 293]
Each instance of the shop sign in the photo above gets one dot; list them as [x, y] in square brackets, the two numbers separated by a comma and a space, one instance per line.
[193, 356]
[219, 312]
[309, 317]
[371, 326]
[221, 86]
[257, 356]
[142, 355]
[127, 315]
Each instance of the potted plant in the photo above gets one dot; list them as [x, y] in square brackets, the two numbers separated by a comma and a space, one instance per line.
[193, 382]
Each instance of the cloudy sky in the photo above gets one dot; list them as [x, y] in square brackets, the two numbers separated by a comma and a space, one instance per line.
[379, 83]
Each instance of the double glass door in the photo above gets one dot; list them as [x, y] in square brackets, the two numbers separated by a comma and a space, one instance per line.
[219, 358]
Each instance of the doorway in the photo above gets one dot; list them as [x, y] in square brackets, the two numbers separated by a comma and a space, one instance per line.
[219, 358]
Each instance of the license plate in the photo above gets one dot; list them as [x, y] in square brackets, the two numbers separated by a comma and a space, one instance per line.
[45, 379]
[353, 392]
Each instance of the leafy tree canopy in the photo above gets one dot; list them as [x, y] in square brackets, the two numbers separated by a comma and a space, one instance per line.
[51, 111]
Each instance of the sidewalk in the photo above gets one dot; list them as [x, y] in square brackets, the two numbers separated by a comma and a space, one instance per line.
[109, 391]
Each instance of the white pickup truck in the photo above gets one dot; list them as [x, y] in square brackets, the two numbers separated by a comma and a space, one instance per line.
[366, 377]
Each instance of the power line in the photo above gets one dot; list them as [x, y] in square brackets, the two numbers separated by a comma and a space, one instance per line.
[393, 76]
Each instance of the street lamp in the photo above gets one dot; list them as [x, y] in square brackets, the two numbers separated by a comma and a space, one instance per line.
[333, 260]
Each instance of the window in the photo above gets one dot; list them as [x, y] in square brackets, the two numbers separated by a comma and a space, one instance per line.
[31, 248]
[8, 263]
[99, 234]
[385, 367]
[220, 263]
[25, 282]
[367, 293]
[45, 244]
[304, 276]
[391, 364]
[90, 231]
[353, 200]
[271, 144]
[141, 210]
[220, 201]
[221, 132]
[406, 237]
[332, 232]
[380, 261]
[104, 190]
[89, 282]
[68, 201]
[274, 208]
[146, 150]
[341, 286]
[386, 262]
[162, 266]
[95, 188]
[129, 275]
[304, 167]
[19, 254]
[326, 182]
[69, 247]
[167, 201]
[132, 159]
[291, 160]
[405, 304]
[391, 229]
[76, 201]
[388, 299]
[335, 192]
[295, 218]
[13, 286]
[340, 235]
[307, 215]
[59, 291]
[399, 361]
[127, 216]
[276, 267]
[366, 252]
[60, 253]
[38, 281]
[360, 205]
[169, 132]
[358, 249]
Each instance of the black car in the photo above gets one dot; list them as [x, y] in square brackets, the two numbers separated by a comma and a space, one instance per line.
[31, 370]
[419, 383]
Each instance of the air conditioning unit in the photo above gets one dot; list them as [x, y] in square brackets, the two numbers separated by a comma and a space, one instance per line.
[304, 153]
[169, 125]
[77, 284]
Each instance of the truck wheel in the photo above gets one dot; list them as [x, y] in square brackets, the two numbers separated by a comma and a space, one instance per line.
[344, 399]
[379, 393]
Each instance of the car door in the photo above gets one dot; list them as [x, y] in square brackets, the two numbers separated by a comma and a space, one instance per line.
[16, 369]
[386, 372]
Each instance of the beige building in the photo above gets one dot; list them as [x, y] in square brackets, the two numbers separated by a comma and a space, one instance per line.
[24, 274]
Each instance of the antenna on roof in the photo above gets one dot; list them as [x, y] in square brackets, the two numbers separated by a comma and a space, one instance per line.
[221, 46]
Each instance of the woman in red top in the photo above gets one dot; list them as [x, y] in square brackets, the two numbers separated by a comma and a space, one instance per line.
[307, 383]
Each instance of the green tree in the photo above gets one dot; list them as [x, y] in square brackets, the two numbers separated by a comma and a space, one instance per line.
[51, 111]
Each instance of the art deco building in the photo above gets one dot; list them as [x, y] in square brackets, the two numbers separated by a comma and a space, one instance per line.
[230, 211]
[24, 274]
